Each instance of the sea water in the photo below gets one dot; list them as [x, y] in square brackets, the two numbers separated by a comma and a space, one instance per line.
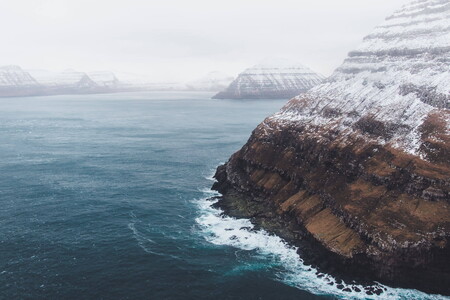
[107, 197]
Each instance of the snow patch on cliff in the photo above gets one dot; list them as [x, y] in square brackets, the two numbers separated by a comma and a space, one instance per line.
[397, 76]
[272, 78]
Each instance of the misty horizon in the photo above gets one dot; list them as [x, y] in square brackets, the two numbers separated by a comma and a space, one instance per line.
[174, 41]
[240, 149]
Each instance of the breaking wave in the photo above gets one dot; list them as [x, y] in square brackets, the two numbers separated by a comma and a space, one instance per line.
[240, 233]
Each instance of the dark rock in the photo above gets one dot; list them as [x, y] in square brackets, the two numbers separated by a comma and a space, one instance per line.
[361, 185]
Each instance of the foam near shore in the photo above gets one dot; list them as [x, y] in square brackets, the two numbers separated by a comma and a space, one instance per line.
[222, 230]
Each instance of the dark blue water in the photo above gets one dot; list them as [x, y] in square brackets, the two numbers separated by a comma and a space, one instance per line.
[102, 197]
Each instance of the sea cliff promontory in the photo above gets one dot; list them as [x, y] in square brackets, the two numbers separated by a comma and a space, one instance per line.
[357, 170]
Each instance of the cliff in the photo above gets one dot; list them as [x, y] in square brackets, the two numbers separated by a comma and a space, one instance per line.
[357, 170]
[275, 79]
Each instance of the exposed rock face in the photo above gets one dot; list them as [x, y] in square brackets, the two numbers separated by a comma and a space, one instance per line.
[361, 163]
[271, 80]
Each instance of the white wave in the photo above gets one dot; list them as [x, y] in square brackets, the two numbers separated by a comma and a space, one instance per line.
[209, 192]
[210, 174]
[240, 233]
[209, 177]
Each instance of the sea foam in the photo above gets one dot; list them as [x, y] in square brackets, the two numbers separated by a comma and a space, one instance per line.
[222, 230]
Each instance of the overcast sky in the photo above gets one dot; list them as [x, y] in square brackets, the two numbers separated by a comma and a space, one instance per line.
[183, 39]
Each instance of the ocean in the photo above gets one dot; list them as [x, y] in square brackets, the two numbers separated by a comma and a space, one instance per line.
[108, 197]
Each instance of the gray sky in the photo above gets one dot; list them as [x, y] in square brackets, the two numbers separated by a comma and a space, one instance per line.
[183, 39]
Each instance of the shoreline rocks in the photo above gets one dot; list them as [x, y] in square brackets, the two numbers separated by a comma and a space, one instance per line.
[359, 166]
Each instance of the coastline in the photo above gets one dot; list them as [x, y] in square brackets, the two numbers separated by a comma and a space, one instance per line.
[359, 269]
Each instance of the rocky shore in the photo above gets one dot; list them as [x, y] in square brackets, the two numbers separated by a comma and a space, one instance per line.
[356, 172]
[358, 211]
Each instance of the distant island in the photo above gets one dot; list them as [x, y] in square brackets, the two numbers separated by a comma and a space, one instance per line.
[272, 79]
[18, 82]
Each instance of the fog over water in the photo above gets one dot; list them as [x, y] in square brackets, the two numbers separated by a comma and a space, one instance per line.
[183, 40]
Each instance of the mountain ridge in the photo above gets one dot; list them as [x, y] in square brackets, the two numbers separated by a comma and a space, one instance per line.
[271, 79]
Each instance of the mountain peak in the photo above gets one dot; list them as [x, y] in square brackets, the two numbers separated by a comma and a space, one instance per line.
[11, 68]
[397, 77]
[14, 77]
[360, 164]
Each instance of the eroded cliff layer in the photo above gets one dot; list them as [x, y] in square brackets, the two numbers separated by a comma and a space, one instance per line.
[360, 165]
[274, 79]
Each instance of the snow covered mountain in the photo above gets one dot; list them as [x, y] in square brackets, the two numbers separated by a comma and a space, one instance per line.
[65, 81]
[105, 79]
[399, 76]
[15, 76]
[271, 79]
[15, 81]
[213, 81]
[360, 164]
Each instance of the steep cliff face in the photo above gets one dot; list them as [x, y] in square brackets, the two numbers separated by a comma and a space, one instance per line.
[360, 165]
[271, 80]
